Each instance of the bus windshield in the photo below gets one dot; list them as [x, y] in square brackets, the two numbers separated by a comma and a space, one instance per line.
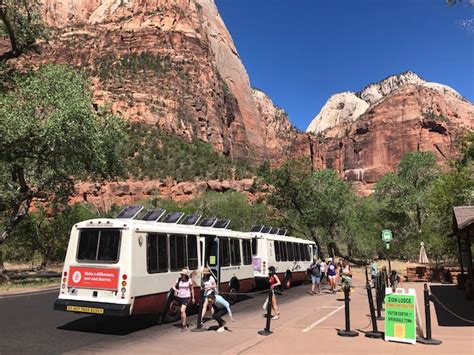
[99, 245]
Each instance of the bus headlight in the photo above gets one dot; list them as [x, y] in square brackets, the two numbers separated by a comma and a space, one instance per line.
[63, 286]
[123, 290]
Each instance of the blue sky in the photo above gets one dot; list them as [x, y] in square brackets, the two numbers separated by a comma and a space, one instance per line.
[301, 52]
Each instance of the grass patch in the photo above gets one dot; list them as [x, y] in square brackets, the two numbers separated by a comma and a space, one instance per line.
[33, 283]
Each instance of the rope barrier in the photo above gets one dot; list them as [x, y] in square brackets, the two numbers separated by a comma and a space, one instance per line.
[470, 321]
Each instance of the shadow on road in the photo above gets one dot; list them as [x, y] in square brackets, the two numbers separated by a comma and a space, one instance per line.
[453, 299]
[111, 325]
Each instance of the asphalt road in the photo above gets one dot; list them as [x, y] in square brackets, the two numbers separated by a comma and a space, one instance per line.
[29, 325]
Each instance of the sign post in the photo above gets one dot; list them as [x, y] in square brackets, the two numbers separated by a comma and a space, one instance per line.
[400, 316]
[387, 237]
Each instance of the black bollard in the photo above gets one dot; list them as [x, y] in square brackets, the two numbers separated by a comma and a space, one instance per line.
[379, 296]
[347, 332]
[428, 340]
[199, 327]
[374, 333]
[266, 331]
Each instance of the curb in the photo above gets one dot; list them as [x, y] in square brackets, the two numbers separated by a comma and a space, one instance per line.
[26, 291]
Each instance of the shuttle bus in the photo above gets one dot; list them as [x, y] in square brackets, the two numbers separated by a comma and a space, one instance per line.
[290, 256]
[127, 266]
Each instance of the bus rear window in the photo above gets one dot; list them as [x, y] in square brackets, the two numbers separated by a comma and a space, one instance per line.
[99, 245]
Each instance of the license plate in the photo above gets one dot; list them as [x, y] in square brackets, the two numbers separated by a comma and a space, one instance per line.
[85, 309]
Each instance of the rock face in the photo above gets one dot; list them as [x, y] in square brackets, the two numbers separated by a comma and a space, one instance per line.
[104, 195]
[166, 62]
[406, 115]
[348, 106]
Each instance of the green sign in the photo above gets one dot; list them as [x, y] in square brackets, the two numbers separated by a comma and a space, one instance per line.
[387, 235]
[400, 321]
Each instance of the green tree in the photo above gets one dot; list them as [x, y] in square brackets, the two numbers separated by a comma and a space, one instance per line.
[21, 21]
[311, 203]
[50, 137]
[402, 196]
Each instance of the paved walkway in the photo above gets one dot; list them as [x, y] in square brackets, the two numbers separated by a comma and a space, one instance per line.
[307, 325]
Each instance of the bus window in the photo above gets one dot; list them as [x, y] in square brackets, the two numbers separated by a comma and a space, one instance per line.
[99, 245]
[302, 246]
[192, 252]
[276, 245]
[235, 251]
[290, 251]
[157, 253]
[283, 251]
[177, 252]
[296, 246]
[247, 252]
[306, 253]
[254, 246]
[225, 252]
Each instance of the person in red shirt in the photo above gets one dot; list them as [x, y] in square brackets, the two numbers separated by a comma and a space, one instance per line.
[274, 282]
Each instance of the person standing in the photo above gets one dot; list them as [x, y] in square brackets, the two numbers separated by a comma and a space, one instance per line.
[346, 274]
[332, 275]
[324, 268]
[219, 308]
[184, 293]
[274, 282]
[210, 286]
[315, 271]
[373, 272]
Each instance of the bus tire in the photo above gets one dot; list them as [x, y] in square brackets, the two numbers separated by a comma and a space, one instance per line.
[287, 280]
[172, 312]
[234, 287]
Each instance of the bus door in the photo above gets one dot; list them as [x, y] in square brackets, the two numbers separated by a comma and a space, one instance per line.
[212, 257]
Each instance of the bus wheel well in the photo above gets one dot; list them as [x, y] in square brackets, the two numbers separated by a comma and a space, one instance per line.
[234, 284]
[234, 287]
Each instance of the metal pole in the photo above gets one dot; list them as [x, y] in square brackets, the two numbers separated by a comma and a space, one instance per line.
[199, 327]
[267, 330]
[379, 296]
[428, 340]
[374, 333]
[347, 332]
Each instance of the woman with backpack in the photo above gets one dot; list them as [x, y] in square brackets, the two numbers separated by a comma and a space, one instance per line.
[315, 272]
[210, 287]
[184, 293]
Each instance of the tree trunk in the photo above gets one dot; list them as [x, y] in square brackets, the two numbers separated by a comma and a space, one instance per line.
[3, 275]
[9, 28]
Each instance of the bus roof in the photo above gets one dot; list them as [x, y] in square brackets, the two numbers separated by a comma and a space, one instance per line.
[141, 226]
[283, 238]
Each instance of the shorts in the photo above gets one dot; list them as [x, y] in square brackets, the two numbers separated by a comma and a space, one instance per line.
[331, 276]
[183, 301]
[316, 280]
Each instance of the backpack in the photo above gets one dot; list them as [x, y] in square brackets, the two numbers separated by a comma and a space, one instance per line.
[394, 278]
[316, 270]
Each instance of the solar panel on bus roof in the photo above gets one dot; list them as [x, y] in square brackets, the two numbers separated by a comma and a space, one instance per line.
[191, 220]
[208, 222]
[282, 232]
[154, 215]
[173, 217]
[266, 229]
[221, 223]
[256, 228]
[274, 230]
[130, 212]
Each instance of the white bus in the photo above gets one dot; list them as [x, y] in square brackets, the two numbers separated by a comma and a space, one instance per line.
[290, 256]
[126, 266]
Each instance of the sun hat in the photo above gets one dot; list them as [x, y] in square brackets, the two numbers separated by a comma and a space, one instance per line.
[184, 272]
[330, 259]
[206, 270]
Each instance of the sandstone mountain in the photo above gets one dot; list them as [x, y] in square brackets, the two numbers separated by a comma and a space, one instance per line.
[364, 135]
[170, 63]
[173, 64]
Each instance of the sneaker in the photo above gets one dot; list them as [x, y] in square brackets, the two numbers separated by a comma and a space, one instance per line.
[275, 317]
[184, 328]
[220, 330]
